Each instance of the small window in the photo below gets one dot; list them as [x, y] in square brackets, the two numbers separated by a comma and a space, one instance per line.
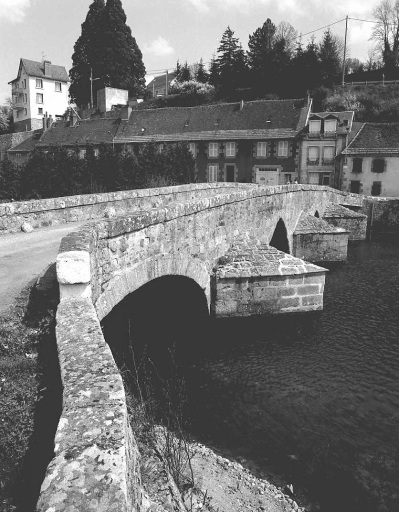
[213, 149]
[26, 111]
[57, 86]
[282, 148]
[261, 148]
[314, 126]
[230, 149]
[160, 148]
[324, 179]
[357, 165]
[376, 188]
[82, 153]
[96, 152]
[378, 165]
[328, 154]
[313, 155]
[330, 126]
[212, 173]
[39, 97]
[40, 110]
[26, 98]
[39, 83]
[355, 187]
[192, 148]
[24, 83]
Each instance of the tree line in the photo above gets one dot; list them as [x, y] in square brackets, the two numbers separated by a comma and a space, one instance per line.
[61, 172]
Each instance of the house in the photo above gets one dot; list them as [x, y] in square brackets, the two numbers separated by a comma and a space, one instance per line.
[256, 141]
[372, 161]
[11, 140]
[19, 153]
[160, 84]
[323, 140]
[40, 89]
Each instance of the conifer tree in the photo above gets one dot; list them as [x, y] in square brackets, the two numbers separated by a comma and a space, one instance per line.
[177, 71]
[87, 56]
[214, 76]
[122, 59]
[260, 58]
[231, 64]
[185, 73]
[330, 61]
[201, 74]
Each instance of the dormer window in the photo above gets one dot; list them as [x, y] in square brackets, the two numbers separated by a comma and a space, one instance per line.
[315, 126]
[186, 123]
[217, 122]
[330, 125]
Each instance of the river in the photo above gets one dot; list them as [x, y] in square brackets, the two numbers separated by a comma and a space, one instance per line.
[310, 400]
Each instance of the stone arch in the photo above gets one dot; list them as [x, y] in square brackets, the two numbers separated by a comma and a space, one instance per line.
[131, 279]
[279, 239]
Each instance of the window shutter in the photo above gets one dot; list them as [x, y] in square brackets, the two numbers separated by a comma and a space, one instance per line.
[269, 149]
[254, 148]
[291, 147]
[221, 149]
[206, 149]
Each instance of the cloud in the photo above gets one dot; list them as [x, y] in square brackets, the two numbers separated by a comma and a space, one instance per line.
[200, 5]
[159, 47]
[13, 10]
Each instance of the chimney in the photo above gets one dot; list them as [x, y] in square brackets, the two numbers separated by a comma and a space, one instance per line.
[47, 68]
[49, 121]
[72, 118]
[126, 110]
[44, 120]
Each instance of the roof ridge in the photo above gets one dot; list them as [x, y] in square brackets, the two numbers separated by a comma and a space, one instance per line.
[355, 137]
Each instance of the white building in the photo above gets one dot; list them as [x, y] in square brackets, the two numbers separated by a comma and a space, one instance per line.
[40, 90]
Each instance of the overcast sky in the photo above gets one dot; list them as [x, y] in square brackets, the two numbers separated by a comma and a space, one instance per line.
[167, 30]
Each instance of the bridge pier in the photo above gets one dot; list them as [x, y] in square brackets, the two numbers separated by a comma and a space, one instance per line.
[353, 222]
[255, 278]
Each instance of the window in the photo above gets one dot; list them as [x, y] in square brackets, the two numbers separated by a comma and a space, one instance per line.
[26, 98]
[39, 97]
[26, 111]
[230, 149]
[330, 126]
[160, 148]
[40, 110]
[376, 188]
[96, 152]
[355, 187]
[24, 83]
[57, 86]
[357, 165]
[261, 148]
[324, 179]
[314, 126]
[193, 149]
[17, 113]
[82, 153]
[313, 155]
[213, 149]
[212, 173]
[378, 165]
[39, 83]
[282, 148]
[328, 154]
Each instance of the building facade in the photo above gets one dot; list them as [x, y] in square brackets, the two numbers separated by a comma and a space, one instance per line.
[371, 164]
[40, 89]
[322, 142]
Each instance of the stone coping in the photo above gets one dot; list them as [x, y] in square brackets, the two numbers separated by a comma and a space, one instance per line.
[254, 259]
[334, 211]
[308, 224]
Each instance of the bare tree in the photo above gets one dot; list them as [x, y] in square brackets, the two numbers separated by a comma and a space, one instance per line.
[386, 32]
[287, 32]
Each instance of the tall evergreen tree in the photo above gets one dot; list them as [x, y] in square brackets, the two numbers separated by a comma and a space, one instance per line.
[177, 71]
[231, 64]
[122, 59]
[214, 76]
[260, 58]
[330, 60]
[201, 74]
[87, 56]
[185, 73]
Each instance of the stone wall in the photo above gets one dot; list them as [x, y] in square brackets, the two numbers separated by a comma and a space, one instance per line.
[52, 211]
[320, 247]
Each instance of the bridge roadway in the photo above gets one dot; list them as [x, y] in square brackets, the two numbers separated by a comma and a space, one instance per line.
[23, 256]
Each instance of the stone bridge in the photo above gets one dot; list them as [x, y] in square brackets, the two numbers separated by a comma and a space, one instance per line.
[204, 232]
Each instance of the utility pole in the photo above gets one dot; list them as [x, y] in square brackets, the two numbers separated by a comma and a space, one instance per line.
[167, 84]
[91, 86]
[343, 62]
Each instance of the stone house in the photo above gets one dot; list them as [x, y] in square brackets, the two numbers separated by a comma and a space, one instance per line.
[9, 141]
[323, 140]
[372, 161]
[255, 141]
[40, 89]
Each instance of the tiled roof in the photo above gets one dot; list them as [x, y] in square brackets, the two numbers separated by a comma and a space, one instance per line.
[375, 138]
[9, 140]
[36, 69]
[160, 81]
[87, 131]
[29, 143]
[265, 118]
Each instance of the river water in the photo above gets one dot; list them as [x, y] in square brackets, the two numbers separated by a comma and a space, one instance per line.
[310, 400]
[314, 398]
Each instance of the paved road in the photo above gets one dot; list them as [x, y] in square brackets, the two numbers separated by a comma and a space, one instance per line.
[23, 256]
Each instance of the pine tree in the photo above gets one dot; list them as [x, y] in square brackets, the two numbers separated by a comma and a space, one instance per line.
[87, 56]
[260, 58]
[201, 75]
[177, 71]
[122, 59]
[214, 75]
[231, 64]
[330, 62]
[185, 73]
